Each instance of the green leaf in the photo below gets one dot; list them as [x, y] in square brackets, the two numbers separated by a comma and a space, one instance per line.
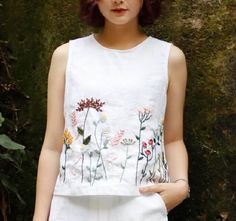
[122, 166]
[10, 186]
[137, 137]
[143, 128]
[80, 131]
[128, 157]
[1, 119]
[140, 158]
[87, 140]
[9, 144]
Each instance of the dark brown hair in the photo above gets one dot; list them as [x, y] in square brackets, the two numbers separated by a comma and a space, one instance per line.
[90, 14]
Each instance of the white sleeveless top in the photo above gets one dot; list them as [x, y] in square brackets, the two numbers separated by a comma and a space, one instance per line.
[114, 108]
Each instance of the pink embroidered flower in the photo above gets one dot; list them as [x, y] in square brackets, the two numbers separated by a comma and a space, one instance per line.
[90, 103]
[144, 144]
[147, 152]
[73, 119]
[115, 140]
[150, 142]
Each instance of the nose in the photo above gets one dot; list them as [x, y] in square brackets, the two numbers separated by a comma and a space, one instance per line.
[117, 1]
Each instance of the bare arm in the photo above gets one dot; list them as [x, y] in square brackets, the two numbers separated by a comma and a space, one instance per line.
[173, 125]
[48, 166]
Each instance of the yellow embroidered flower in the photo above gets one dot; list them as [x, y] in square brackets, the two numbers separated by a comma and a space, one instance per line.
[67, 137]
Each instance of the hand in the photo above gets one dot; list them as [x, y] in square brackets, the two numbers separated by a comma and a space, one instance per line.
[172, 193]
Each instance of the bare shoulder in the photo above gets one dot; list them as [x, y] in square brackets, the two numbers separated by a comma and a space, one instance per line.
[61, 52]
[59, 61]
[177, 62]
[176, 55]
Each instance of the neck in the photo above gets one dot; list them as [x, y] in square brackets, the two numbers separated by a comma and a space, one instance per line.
[121, 36]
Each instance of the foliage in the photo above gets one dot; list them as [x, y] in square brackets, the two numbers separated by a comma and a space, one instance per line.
[12, 153]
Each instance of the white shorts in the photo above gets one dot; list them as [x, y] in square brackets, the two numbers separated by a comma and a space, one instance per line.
[108, 208]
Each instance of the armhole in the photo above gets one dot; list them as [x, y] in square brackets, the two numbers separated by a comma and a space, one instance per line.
[66, 77]
[167, 64]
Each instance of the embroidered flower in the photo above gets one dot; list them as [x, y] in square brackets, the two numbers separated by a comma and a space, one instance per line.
[117, 137]
[67, 137]
[144, 114]
[103, 117]
[144, 144]
[147, 152]
[73, 119]
[128, 141]
[150, 142]
[90, 103]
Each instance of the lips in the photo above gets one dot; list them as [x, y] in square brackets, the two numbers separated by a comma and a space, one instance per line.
[119, 9]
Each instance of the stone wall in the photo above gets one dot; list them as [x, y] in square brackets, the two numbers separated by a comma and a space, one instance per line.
[203, 30]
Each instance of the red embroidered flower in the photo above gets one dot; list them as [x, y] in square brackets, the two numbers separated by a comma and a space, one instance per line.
[147, 152]
[144, 144]
[150, 142]
[90, 103]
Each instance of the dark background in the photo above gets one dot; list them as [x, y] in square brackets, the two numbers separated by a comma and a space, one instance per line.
[205, 31]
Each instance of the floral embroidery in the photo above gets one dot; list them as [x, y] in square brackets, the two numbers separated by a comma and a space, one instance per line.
[127, 143]
[73, 119]
[144, 115]
[147, 152]
[82, 105]
[91, 164]
[116, 139]
[102, 145]
[67, 142]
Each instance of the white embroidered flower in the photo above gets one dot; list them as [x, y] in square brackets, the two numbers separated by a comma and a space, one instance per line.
[103, 117]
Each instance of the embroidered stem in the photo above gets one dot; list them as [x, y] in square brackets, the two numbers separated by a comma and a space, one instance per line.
[95, 173]
[136, 175]
[126, 159]
[90, 164]
[100, 154]
[82, 168]
[65, 164]
[144, 170]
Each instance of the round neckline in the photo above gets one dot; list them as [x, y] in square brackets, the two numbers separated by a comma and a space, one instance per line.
[139, 45]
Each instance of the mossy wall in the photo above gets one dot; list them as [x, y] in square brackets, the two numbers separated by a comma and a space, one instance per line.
[204, 30]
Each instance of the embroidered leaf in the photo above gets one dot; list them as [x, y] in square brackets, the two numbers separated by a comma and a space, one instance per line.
[88, 168]
[137, 137]
[154, 139]
[80, 131]
[143, 128]
[87, 140]
[98, 178]
[93, 169]
[128, 157]
[97, 151]
[106, 142]
[140, 158]
[90, 154]
[99, 165]
[63, 167]
[142, 171]
[122, 166]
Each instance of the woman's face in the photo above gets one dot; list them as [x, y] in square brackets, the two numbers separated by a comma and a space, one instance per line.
[120, 12]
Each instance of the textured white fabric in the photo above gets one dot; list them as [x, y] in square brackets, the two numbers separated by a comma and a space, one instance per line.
[108, 208]
[114, 108]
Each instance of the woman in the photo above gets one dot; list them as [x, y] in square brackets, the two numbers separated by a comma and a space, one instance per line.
[112, 96]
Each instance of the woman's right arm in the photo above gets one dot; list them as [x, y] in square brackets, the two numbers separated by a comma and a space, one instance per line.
[48, 166]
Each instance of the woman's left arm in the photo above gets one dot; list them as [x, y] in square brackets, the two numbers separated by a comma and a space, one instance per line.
[174, 193]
